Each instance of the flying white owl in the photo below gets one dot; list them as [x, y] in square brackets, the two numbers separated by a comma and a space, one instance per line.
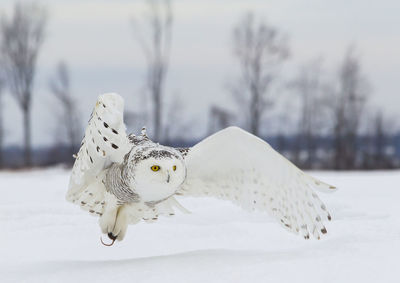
[124, 179]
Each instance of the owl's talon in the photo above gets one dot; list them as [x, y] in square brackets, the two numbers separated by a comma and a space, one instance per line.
[112, 237]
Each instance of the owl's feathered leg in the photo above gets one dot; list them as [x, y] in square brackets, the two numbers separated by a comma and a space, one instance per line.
[121, 223]
[119, 228]
[108, 220]
[115, 219]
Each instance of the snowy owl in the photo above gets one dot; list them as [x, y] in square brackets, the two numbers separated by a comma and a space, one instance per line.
[124, 179]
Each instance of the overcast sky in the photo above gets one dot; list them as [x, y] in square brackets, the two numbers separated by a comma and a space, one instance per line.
[95, 38]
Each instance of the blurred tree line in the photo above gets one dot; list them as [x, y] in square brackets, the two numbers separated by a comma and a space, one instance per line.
[335, 126]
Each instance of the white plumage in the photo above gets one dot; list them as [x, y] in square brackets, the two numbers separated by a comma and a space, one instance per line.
[105, 129]
[114, 177]
[237, 166]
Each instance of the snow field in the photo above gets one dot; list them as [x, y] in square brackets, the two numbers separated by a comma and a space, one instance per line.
[43, 238]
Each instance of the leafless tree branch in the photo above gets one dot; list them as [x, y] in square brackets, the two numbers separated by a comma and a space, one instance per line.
[156, 50]
[22, 37]
[69, 119]
[348, 105]
[2, 83]
[219, 118]
[311, 88]
[259, 48]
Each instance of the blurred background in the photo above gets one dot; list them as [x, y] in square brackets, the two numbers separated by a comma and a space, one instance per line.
[316, 79]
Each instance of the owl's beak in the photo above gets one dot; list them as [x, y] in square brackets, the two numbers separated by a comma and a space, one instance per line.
[168, 178]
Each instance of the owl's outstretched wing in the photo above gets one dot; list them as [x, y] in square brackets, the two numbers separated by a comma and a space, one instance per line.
[105, 142]
[237, 166]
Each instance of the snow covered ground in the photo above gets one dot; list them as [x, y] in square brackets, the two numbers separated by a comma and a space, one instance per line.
[45, 239]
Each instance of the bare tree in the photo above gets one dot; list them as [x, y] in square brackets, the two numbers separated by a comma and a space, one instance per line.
[260, 49]
[22, 37]
[311, 90]
[2, 82]
[380, 140]
[219, 118]
[69, 119]
[176, 127]
[380, 150]
[156, 49]
[348, 106]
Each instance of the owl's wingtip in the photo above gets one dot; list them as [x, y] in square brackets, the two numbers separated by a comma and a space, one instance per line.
[321, 186]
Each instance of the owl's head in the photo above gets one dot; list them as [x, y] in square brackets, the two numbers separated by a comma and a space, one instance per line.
[158, 171]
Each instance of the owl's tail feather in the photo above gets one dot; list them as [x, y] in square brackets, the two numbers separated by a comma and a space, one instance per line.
[151, 214]
[175, 203]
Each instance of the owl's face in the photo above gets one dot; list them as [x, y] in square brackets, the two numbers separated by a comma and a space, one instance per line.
[158, 173]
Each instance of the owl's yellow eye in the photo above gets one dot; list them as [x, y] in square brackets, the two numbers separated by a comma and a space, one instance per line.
[174, 167]
[155, 168]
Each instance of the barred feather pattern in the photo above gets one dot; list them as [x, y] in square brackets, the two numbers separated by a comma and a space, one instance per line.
[231, 164]
[117, 182]
[105, 142]
[237, 166]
